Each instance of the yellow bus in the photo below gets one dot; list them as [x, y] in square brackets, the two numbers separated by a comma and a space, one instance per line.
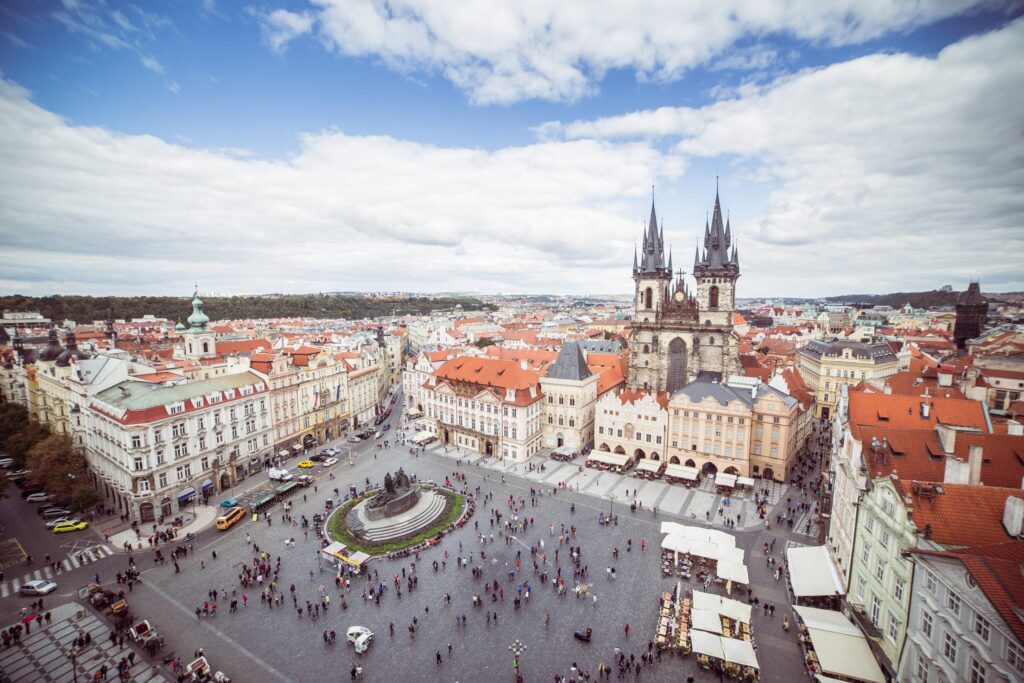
[230, 518]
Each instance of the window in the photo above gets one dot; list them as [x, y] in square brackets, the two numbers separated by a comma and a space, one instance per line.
[953, 603]
[204, 464]
[929, 582]
[897, 588]
[138, 464]
[982, 626]
[876, 609]
[1015, 657]
[865, 554]
[136, 442]
[143, 486]
[883, 539]
[921, 668]
[880, 569]
[978, 671]
[161, 480]
[894, 627]
[869, 524]
[926, 624]
[949, 647]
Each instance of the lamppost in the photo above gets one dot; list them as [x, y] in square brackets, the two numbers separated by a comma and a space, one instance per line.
[611, 501]
[517, 649]
[74, 661]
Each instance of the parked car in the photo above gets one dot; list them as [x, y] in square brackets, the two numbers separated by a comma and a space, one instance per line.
[331, 451]
[38, 497]
[319, 457]
[54, 512]
[306, 464]
[229, 503]
[31, 489]
[304, 479]
[70, 526]
[355, 438]
[379, 434]
[20, 475]
[7, 463]
[278, 474]
[330, 461]
[38, 587]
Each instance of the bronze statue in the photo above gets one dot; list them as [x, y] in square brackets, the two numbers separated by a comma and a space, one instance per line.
[389, 484]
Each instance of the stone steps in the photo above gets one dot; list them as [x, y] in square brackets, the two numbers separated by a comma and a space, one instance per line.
[423, 518]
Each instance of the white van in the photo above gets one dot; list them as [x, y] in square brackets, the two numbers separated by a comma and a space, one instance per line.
[280, 474]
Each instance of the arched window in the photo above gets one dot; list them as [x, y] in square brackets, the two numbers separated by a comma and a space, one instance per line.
[647, 349]
[190, 347]
[713, 297]
[206, 347]
[676, 364]
[648, 297]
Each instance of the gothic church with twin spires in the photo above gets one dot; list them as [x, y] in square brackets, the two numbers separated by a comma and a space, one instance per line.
[681, 335]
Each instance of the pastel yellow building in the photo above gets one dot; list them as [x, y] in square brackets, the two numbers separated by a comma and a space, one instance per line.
[828, 365]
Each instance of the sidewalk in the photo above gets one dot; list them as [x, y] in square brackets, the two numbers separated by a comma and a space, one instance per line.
[44, 654]
[204, 517]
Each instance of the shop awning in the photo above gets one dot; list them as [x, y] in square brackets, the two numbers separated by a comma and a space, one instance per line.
[722, 479]
[739, 652]
[744, 481]
[284, 453]
[208, 484]
[421, 437]
[841, 647]
[681, 472]
[727, 607]
[186, 494]
[648, 465]
[296, 446]
[812, 572]
[706, 644]
[613, 459]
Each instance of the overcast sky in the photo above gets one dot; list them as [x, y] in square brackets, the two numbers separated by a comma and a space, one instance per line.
[862, 147]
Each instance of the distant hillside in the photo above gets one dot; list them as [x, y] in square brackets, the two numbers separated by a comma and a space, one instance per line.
[930, 299]
[83, 309]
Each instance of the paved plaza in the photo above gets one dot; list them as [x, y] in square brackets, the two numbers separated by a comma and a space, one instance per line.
[261, 644]
[44, 654]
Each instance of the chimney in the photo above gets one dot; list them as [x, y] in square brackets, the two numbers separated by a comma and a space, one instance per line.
[956, 472]
[945, 379]
[974, 463]
[522, 364]
[947, 437]
[925, 409]
[888, 389]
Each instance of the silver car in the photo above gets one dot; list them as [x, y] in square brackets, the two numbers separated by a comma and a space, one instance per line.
[38, 587]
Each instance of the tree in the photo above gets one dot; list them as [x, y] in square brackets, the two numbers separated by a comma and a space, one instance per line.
[85, 497]
[58, 467]
[483, 342]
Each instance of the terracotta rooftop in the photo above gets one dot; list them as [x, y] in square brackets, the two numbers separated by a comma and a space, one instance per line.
[906, 412]
[634, 395]
[942, 511]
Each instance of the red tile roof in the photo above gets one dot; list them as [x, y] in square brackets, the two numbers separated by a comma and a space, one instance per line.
[909, 383]
[493, 374]
[905, 412]
[634, 395]
[961, 515]
[157, 377]
[240, 346]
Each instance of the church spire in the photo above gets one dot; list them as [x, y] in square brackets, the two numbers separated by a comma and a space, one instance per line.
[652, 256]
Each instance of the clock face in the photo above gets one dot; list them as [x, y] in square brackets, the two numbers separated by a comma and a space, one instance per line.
[679, 296]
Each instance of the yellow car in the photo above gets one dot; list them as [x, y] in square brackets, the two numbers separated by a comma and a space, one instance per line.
[64, 527]
[306, 464]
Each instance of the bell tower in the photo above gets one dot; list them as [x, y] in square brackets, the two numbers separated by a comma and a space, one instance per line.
[200, 342]
[716, 270]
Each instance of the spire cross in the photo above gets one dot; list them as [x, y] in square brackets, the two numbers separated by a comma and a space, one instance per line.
[680, 273]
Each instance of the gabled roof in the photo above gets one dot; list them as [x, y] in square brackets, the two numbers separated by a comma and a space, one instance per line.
[570, 364]
[905, 412]
[634, 395]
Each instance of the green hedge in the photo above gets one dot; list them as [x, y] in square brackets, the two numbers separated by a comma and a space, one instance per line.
[339, 532]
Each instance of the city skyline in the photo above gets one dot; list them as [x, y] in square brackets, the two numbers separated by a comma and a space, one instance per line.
[867, 150]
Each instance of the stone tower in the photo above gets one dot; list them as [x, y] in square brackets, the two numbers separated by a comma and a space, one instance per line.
[677, 336]
[971, 313]
[200, 342]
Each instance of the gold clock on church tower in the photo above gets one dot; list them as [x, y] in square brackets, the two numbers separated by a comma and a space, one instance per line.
[679, 296]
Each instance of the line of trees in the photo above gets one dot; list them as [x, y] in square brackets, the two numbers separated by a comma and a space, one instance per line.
[54, 461]
[83, 309]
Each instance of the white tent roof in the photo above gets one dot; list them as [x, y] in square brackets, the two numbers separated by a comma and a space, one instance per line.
[734, 609]
[702, 600]
[739, 652]
[841, 647]
[744, 481]
[420, 437]
[733, 571]
[681, 472]
[608, 458]
[676, 543]
[722, 479]
[648, 465]
[704, 549]
[706, 620]
[706, 644]
[730, 554]
[812, 572]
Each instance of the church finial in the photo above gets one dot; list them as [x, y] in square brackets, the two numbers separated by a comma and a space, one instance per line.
[670, 259]
[635, 266]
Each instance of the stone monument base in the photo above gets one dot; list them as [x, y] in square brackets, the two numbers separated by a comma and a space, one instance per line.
[425, 511]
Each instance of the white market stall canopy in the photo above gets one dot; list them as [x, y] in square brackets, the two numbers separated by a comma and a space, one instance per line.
[733, 571]
[727, 607]
[841, 647]
[697, 533]
[744, 481]
[812, 572]
[608, 458]
[739, 652]
[420, 425]
[421, 437]
[706, 644]
[722, 479]
[648, 465]
[681, 472]
[706, 620]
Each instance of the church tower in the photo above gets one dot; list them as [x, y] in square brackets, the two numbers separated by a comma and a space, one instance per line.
[678, 337]
[199, 341]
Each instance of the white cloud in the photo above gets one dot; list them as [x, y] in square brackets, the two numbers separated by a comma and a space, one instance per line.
[152, 64]
[90, 210]
[280, 27]
[887, 171]
[509, 51]
[174, 87]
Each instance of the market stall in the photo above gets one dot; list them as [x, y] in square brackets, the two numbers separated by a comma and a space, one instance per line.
[708, 553]
[338, 554]
[745, 481]
[563, 453]
[813, 576]
[422, 438]
[725, 481]
[608, 461]
[649, 469]
[834, 646]
[681, 474]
